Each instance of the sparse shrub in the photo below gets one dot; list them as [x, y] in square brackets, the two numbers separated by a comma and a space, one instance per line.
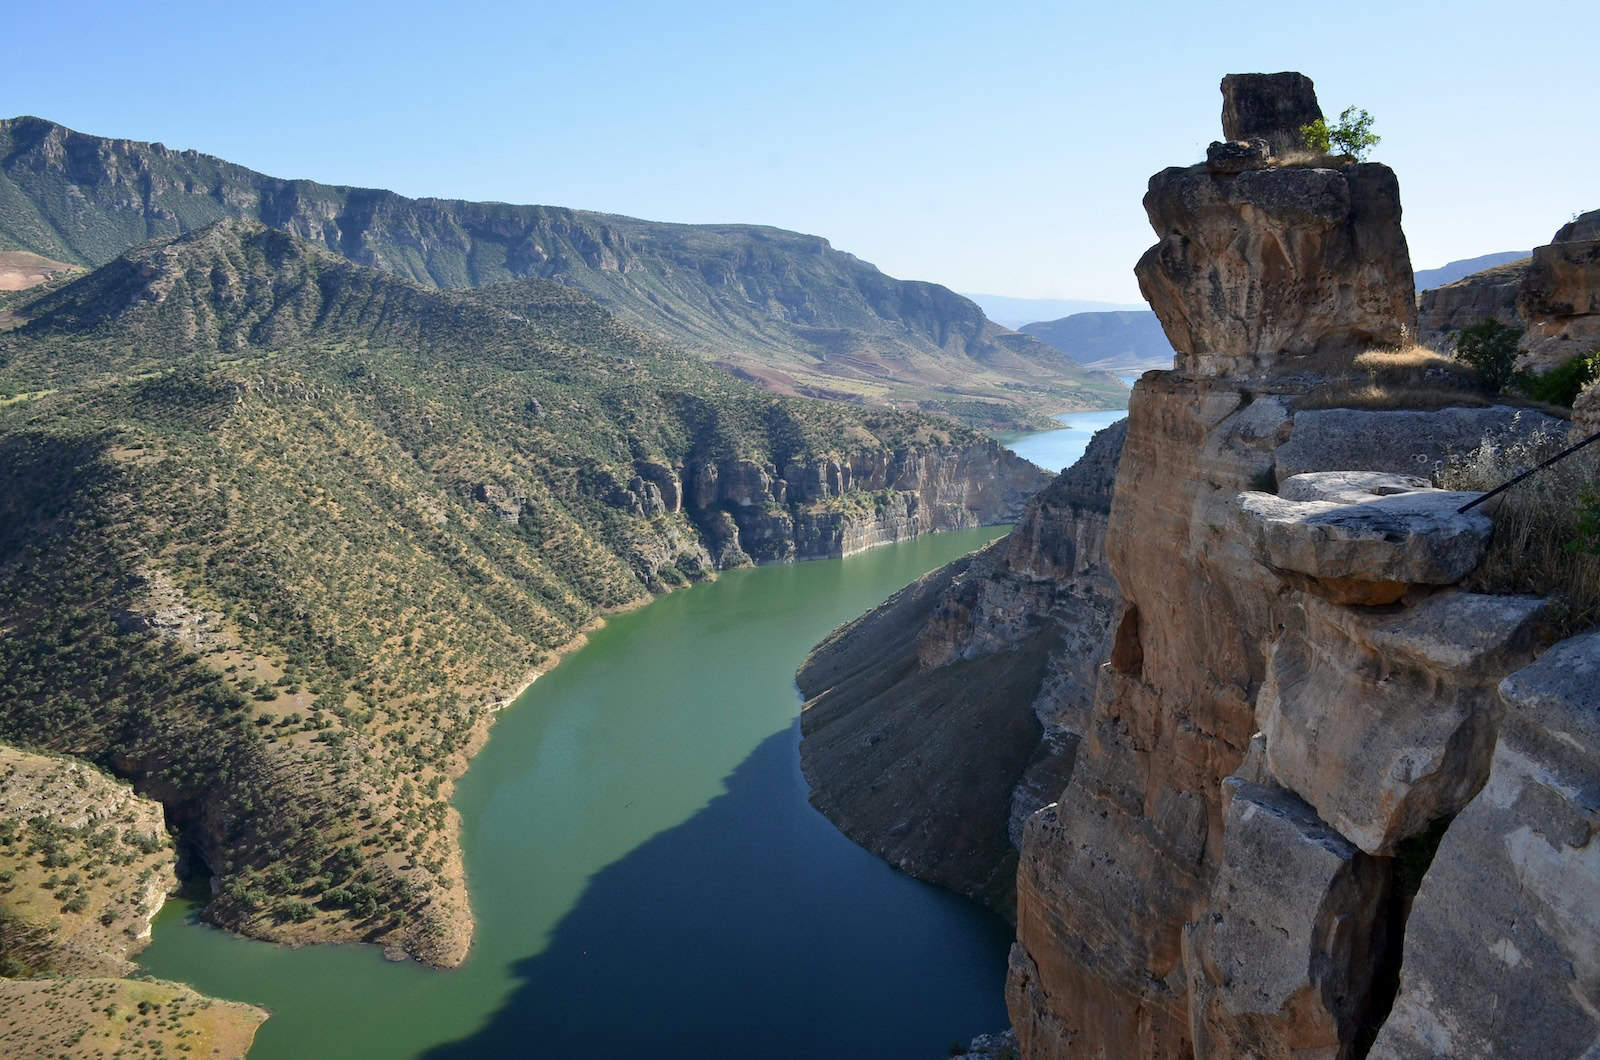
[1562, 384]
[1546, 528]
[1352, 136]
[1491, 349]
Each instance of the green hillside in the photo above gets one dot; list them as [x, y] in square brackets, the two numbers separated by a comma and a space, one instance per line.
[779, 308]
[278, 531]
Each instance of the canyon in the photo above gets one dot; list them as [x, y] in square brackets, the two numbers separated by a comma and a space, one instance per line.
[1280, 776]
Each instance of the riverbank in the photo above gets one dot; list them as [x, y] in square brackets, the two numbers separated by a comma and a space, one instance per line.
[640, 829]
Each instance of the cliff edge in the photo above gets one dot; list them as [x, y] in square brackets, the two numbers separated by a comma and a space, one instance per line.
[1324, 788]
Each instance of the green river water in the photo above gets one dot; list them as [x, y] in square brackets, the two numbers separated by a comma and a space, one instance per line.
[647, 875]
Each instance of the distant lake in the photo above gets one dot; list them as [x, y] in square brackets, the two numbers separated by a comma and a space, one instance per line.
[648, 877]
[1059, 449]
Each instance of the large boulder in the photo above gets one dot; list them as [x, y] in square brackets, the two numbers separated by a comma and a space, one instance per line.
[1278, 269]
[1384, 722]
[1365, 537]
[1270, 107]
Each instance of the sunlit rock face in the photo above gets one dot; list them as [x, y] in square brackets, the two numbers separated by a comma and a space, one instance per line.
[1277, 268]
[1298, 697]
[1560, 296]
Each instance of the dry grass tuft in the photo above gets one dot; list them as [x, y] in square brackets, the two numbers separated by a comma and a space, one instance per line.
[1544, 527]
[1413, 377]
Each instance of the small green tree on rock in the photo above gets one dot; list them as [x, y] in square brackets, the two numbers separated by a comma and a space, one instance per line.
[1352, 137]
[1491, 349]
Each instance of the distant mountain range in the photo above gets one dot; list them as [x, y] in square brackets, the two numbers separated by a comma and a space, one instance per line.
[1124, 343]
[779, 308]
[1015, 312]
[1428, 279]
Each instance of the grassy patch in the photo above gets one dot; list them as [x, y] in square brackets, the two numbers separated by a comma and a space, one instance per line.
[1543, 527]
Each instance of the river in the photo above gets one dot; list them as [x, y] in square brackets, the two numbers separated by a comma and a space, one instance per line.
[1058, 449]
[647, 875]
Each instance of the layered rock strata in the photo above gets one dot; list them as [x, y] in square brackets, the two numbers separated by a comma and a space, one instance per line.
[1487, 295]
[903, 744]
[750, 511]
[1298, 699]
[1296, 703]
[1560, 296]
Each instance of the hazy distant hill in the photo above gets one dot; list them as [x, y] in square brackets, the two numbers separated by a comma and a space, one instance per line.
[1427, 279]
[1124, 343]
[780, 308]
[1015, 312]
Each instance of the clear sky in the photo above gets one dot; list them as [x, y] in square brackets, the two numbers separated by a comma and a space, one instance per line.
[993, 147]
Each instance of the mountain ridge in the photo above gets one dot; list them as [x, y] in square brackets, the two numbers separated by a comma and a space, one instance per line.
[785, 308]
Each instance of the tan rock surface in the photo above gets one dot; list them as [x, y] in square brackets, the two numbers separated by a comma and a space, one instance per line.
[1560, 296]
[1308, 265]
[1503, 945]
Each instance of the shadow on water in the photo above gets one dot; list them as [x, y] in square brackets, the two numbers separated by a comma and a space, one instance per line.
[753, 929]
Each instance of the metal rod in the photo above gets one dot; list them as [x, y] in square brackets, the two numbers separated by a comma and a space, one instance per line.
[1568, 451]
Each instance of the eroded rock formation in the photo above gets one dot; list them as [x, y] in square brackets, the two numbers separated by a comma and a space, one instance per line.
[1560, 296]
[1299, 699]
[936, 724]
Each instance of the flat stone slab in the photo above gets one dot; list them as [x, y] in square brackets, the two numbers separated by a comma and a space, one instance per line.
[1414, 537]
[1349, 486]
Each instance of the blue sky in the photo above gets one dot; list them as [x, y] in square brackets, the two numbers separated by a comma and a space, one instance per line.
[1000, 148]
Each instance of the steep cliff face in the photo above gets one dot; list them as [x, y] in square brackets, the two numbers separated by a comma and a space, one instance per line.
[936, 724]
[1560, 296]
[1487, 295]
[1298, 697]
[752, 511]
[1296, 702]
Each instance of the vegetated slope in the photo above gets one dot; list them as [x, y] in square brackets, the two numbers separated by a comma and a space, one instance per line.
[1451, 271]
[277, 532]
[1112, 342]
[84, 865]
[784, 309]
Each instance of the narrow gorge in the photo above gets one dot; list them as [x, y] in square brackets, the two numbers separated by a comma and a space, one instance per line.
[1281, 772]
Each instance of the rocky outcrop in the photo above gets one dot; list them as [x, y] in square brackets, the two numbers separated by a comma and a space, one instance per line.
[1502, 951]
[1297, 700]
[1299, 704]
[1487, 295]
[1560, 296]
[1290, 266]
[1270, 107]
[902, 742]
[839, 506]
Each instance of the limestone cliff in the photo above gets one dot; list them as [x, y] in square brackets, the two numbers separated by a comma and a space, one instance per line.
[1300, 702]
[1487, 295]
[830, 507]
[936, 724]
[1560, 296]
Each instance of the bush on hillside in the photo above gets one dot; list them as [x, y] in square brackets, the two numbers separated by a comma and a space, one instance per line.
[1561, 385]
[1491, 349]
